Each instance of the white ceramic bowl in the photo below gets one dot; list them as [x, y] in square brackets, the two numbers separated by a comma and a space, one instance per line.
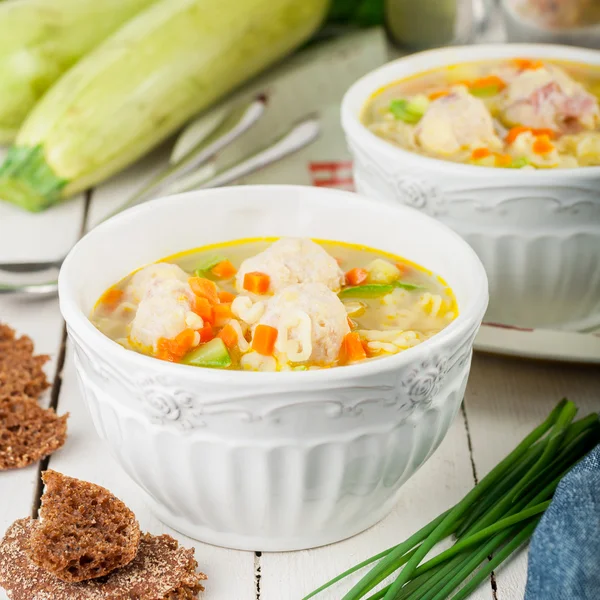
[537, 232]
[270, 461]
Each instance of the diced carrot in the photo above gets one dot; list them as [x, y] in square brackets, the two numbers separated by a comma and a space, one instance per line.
[229, 336]
[402, 268]
[480, 153]
[222, 313]
[515, 132]
[356, 276]
[111, 298]
[352, 348]
[206, 333]
[225, 296]
[503, 160]
[264, 339]
[204, 309]
[163, 350]
[204, 288]
[543, 145]
[365, 346]
[175, 349]
[549, 132]
[224, 270]
[489, 81]
[438, 94]
[527, 64]
[256, 282]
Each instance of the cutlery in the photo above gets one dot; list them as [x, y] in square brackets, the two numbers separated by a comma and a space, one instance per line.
[297, 137]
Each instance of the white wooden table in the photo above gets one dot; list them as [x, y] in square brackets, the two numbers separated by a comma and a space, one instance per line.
[505, 399]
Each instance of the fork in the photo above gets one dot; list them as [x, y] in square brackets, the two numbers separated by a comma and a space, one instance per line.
[297, 137]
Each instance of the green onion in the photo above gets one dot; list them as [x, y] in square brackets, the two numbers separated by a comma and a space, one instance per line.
[496, 517]
[376, 290]
[415, 539]
[404, 111]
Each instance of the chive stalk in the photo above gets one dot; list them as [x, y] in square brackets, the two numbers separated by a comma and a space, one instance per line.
[498, 559]
[496, 517]
[475, 494]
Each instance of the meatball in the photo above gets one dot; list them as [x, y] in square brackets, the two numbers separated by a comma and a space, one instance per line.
[165, 305]
[293, 260]
[455, 122]
[311, 322]
[548, 98]
[151, 277]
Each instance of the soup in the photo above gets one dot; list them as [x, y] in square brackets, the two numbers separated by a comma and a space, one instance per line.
[517, 114]
[275, 305]
[558, 14]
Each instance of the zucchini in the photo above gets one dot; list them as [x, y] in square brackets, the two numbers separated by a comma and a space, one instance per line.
[382, 271]
[213, 354]
[206, 265]
[41, 39]
[168, 63]
[409, 111]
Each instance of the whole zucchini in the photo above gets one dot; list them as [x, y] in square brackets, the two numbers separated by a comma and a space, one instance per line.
[41, 39]
[166, 64]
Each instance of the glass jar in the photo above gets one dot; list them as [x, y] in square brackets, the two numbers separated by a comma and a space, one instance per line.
[422, 24]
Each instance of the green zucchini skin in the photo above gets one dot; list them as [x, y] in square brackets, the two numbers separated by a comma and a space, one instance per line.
[41, 39]
[168, 63]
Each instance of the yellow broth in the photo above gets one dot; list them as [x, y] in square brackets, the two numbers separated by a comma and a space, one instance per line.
[389, 323]
[490, 113]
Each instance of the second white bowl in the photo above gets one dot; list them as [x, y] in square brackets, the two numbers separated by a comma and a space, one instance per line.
[537, 232]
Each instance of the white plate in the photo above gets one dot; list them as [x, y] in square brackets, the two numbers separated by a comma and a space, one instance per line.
[544, 344]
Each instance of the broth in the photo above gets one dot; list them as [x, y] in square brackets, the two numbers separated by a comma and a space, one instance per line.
[327, 304]
[519, 113]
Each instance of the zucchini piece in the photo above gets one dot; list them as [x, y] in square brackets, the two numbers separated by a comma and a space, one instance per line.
[208, 264]
[485, 92]
[382, 271]
[518, 163]
[213, 354]
[403, 111]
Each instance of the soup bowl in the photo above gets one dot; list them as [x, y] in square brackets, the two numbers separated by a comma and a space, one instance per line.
[283, 460]
[537, 232]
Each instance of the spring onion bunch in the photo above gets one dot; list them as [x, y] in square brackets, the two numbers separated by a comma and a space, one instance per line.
[493, 520]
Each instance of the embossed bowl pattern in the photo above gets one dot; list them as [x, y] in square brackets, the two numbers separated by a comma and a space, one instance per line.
[277, 461]
[537, 232]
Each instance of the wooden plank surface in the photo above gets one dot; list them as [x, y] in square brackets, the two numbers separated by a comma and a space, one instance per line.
[25, 236]
[231, 573]
[441, 482]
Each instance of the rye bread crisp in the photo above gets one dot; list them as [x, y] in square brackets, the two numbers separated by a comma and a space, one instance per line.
[28, 432]
[160, 571]
[84, 531]
[21, 372]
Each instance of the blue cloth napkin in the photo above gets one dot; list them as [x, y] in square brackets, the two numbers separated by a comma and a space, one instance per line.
[564, 555]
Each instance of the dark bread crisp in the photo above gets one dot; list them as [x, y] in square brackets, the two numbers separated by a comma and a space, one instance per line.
[160, 571]
[84, 531]
[21, 372]
[28, 432]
